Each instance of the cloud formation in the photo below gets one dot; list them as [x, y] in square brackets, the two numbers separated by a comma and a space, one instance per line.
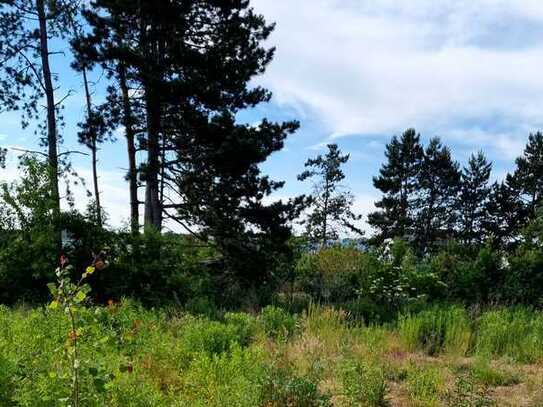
[468, 71]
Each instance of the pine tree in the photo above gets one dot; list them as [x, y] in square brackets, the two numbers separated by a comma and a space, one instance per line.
[506, 214]
[398, 180]
[330, 204]
[528, 176]
[438, 184]
[474, 199]
[192, 63]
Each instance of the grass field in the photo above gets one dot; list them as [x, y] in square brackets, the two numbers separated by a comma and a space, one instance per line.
[129, 356]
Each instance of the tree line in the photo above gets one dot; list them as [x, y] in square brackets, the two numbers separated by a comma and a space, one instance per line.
[428, 199]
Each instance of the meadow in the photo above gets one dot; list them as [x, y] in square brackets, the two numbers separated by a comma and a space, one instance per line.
[134, 356]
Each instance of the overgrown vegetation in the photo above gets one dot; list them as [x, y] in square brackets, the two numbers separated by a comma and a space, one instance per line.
[138, 357]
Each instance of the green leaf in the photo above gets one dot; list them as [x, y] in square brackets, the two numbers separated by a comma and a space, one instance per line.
[52, 289]
[80, 296]
[53, 305]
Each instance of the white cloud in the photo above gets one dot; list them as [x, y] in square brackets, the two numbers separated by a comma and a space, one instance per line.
[380, 66]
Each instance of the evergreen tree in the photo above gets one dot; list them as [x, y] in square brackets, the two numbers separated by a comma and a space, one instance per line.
[398, 180]
[192, 63]
[506, 214]
[528, 176]
[438, 183]
[330, 203]
[474, 199]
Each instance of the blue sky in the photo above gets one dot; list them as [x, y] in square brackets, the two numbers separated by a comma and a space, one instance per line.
[356, 72]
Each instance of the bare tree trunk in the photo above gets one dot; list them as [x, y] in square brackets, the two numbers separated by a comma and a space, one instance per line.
[52, 138]
[130, 141]
[153, 208]
[93, 147]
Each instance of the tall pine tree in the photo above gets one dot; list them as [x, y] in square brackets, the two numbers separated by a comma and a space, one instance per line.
[398, 181]
[192, 63]
[474, 199]
[438, 184]
[527, 178]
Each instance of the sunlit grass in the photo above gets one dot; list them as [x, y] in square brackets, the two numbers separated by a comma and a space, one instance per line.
[144, 357]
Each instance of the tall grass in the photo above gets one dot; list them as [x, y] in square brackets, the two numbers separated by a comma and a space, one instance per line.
[328, 323]
[436, 330]
[516, 333]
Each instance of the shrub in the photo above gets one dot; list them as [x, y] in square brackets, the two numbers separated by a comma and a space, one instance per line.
[364, 384]
[127, 390]
[277, 323]
[470, 276]
[334, 274]
[400, 280]
[212, 337]
[245, 326]
[438, 329]
[282, 389]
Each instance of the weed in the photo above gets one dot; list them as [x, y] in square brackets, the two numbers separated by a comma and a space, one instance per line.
[424, 385]
[364, 384]
[467, 394]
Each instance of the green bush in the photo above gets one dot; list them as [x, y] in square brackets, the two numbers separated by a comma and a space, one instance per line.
[334, 274]
[245, 326]
[364, 384]
[400, 280]
[127, 390]
[282, 389]
[438, 329]
[277, 323]
[471, 276]
[212, 337]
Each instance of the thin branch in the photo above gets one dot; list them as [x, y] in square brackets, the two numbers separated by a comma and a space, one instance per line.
[28, 151]
[72, 152]
[70, 93]
[184, 226]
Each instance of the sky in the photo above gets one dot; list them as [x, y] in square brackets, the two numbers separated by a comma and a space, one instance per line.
[357, 72]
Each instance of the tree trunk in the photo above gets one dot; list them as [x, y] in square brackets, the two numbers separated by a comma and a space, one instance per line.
[130, 141]
[51, 117]
[153, 208]
[93, 146]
